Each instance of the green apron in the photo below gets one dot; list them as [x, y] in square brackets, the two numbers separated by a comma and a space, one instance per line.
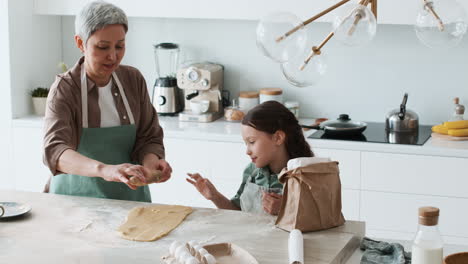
[109, 145]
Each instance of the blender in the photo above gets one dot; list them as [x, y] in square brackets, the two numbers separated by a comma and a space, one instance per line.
[167, 97]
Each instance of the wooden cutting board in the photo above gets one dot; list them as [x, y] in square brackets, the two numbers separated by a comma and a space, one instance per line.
[447, 137]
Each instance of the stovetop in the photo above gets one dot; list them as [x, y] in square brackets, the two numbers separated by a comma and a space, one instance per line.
[375, 133]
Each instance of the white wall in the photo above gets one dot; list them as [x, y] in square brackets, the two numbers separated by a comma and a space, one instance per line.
[5, 100]
[364, 82]
[35, 52]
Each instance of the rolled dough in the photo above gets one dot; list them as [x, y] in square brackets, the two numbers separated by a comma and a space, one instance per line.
[152, 222]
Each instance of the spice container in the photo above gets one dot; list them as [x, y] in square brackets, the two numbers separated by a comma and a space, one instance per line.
[293, 106]
[248, 100]
[233, 113]
[428, 245]
[271, 94]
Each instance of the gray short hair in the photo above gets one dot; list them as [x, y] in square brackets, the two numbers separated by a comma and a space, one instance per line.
[96, 15]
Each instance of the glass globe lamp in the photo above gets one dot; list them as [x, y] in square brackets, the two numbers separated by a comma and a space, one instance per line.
[300, 74]
[270, 31]
[354, 25]
[442, 27]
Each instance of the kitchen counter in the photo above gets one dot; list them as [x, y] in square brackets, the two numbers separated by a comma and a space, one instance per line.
[70, 229]
[221, 130]
[224, 131]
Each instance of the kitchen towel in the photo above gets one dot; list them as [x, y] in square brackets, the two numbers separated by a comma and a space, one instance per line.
[296, 247]
[380, 252]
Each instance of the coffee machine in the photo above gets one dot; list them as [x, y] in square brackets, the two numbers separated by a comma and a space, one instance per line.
[167, 97]
[202, 84]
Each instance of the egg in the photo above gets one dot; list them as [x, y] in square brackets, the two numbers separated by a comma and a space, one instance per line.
[180, 250]
[201, 252]
[208, 259]
[191, 260]
[195, 249]
[183, 257]
[173, 247]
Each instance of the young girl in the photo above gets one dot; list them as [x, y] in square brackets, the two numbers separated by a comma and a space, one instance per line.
[273, 136]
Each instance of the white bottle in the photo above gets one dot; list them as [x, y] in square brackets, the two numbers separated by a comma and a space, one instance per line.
[428, 245]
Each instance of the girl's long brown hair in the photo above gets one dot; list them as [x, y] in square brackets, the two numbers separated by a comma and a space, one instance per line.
[272, 116]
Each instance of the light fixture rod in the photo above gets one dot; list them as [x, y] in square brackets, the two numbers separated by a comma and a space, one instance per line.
[310, 20]
[430, 7]
[374, 7]
[316, 50]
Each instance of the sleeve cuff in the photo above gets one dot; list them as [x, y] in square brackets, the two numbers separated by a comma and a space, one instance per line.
[155, 149]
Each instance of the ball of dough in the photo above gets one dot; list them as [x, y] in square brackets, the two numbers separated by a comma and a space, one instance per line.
[155, 176]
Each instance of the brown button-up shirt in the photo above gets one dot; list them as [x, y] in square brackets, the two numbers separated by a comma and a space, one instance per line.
[63, 118]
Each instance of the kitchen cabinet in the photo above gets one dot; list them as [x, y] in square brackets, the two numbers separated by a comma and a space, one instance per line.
[398, 213]
[401, 12]
[416, 174]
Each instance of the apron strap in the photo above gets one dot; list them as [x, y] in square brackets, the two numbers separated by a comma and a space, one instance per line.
[84, 97]
[127, 105]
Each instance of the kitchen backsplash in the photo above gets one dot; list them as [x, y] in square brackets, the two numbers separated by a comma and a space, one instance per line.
[364, 82]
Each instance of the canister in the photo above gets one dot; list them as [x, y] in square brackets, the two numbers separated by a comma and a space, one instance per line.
[248, 100]
[293, 106]
[271, 94]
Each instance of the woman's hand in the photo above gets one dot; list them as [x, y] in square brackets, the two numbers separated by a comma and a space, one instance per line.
[203, 185]
[121, 173]
[271, 202]
[152, 162]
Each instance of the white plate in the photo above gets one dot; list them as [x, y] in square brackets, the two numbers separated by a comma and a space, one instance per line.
[13, 209]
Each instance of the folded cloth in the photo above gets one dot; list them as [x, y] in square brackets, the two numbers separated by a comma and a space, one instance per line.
[379, 252]
[305, 161]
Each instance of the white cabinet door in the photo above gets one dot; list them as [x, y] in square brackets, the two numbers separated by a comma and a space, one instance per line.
[30, 174]
[350, 204]
[414, 174]
[396, 212]
[349, 164]
[221, 162]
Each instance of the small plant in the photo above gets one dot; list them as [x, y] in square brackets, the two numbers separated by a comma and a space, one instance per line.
[40, 92]
[63, 67]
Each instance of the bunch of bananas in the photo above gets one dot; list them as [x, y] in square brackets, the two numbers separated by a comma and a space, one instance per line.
[452, 128]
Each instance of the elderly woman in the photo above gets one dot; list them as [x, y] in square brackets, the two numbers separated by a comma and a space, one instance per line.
[99, 120]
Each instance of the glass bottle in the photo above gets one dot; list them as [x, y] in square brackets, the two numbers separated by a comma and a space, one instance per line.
[459, 110]
[427, 244]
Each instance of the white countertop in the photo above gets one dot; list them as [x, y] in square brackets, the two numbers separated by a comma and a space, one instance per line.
[73, 229]
[225, 131]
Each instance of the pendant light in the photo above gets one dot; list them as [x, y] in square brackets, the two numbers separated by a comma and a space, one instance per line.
[282, 36]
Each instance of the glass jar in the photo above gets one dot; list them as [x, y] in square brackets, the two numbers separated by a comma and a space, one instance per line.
[293, 106]
[428, 245]
[271, 94]
[248, 100]
[233, 113]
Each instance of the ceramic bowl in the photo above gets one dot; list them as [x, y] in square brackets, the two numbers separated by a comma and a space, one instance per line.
[199, 106]
[457, 258]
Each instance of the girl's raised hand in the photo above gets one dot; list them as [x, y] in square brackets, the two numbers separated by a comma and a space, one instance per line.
[203, 185]
[271, 202]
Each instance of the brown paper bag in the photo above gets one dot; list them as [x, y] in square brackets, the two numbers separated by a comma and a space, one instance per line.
[311, 198]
